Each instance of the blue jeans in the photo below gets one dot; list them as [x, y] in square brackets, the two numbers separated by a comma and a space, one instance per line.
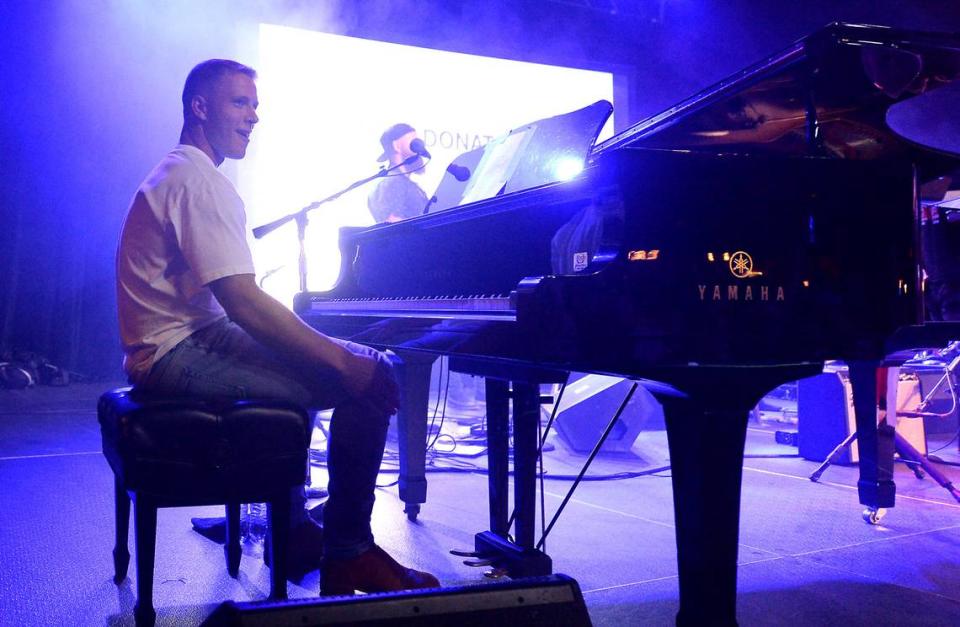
[222, 361]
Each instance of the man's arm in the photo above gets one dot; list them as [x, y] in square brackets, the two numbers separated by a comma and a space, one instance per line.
[280, 330]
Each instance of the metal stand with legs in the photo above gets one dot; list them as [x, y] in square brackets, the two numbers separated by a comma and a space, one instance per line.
[907, 453]
[917, 462]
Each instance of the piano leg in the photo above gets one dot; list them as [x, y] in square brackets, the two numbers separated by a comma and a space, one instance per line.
[875, 441]
[519, 558]
[498, 449]
[526, 418]
[413, 375]
[706, 460]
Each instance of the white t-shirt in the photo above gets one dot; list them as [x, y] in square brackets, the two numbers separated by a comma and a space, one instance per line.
[185, 228]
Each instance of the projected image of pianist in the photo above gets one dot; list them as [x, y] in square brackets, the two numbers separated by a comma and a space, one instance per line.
[396, 196]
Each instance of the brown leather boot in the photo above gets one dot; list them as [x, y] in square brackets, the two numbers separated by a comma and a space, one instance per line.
[372, 571]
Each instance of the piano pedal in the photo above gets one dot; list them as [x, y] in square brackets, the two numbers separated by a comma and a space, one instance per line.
[496, 573]
[481, 559]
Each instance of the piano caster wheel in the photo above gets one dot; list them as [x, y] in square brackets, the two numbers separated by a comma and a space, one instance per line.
[872, 515]
[411, 510]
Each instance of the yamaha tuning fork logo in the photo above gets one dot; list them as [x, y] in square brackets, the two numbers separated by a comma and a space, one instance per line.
[741, 266]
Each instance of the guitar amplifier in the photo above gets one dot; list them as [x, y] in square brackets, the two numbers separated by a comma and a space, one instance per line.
[825, 414]
[941, 405]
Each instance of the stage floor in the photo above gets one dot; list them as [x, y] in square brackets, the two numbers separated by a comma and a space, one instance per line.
[806, 555]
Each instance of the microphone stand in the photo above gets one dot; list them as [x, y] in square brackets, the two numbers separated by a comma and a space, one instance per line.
[301, 216]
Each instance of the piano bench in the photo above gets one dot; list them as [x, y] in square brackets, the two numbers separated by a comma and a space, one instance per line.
[177, 452]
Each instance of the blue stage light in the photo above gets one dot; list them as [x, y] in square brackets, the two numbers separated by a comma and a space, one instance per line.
[566, 168]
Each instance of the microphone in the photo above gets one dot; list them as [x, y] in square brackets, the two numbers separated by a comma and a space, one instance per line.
[459, 172]
[417, 146]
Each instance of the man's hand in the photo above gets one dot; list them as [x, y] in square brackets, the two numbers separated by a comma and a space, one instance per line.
[369, 378]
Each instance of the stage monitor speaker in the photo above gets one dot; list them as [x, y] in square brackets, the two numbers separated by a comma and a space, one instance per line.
[825, 414]
[531, 602]
[590, 401]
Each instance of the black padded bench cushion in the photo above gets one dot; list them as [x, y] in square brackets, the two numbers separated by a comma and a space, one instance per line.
[203, 451]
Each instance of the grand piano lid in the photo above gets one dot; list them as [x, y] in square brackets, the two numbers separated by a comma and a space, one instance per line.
[827, 94]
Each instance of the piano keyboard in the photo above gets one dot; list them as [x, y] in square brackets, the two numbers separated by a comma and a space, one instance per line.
[475, 307]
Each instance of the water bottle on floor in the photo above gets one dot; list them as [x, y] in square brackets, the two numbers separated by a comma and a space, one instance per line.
[253, 523]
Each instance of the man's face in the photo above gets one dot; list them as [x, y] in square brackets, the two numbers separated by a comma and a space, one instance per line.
[231, 112]
[402, 145]
[402, 151]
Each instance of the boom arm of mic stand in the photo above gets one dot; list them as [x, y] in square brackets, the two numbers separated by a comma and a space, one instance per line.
[263, 229]
[301, 216]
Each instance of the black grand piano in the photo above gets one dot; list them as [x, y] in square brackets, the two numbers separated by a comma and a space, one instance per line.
[717, 250]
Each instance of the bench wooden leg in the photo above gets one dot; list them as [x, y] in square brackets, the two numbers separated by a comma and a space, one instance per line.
[231, 547]
[121, 552]
[145, 521]
[278, 513]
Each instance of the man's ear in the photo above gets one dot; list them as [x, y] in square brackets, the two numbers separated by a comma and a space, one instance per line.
[198, 106]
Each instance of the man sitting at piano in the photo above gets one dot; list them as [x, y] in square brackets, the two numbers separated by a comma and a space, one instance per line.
[396, 196]
[194, 322]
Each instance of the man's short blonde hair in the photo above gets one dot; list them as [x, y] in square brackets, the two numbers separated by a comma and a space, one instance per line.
[206, 74]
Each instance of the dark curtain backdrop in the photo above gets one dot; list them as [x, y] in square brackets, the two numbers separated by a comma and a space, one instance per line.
[89, 101]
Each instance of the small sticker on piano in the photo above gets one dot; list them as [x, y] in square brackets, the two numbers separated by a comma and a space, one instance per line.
[580, 261]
